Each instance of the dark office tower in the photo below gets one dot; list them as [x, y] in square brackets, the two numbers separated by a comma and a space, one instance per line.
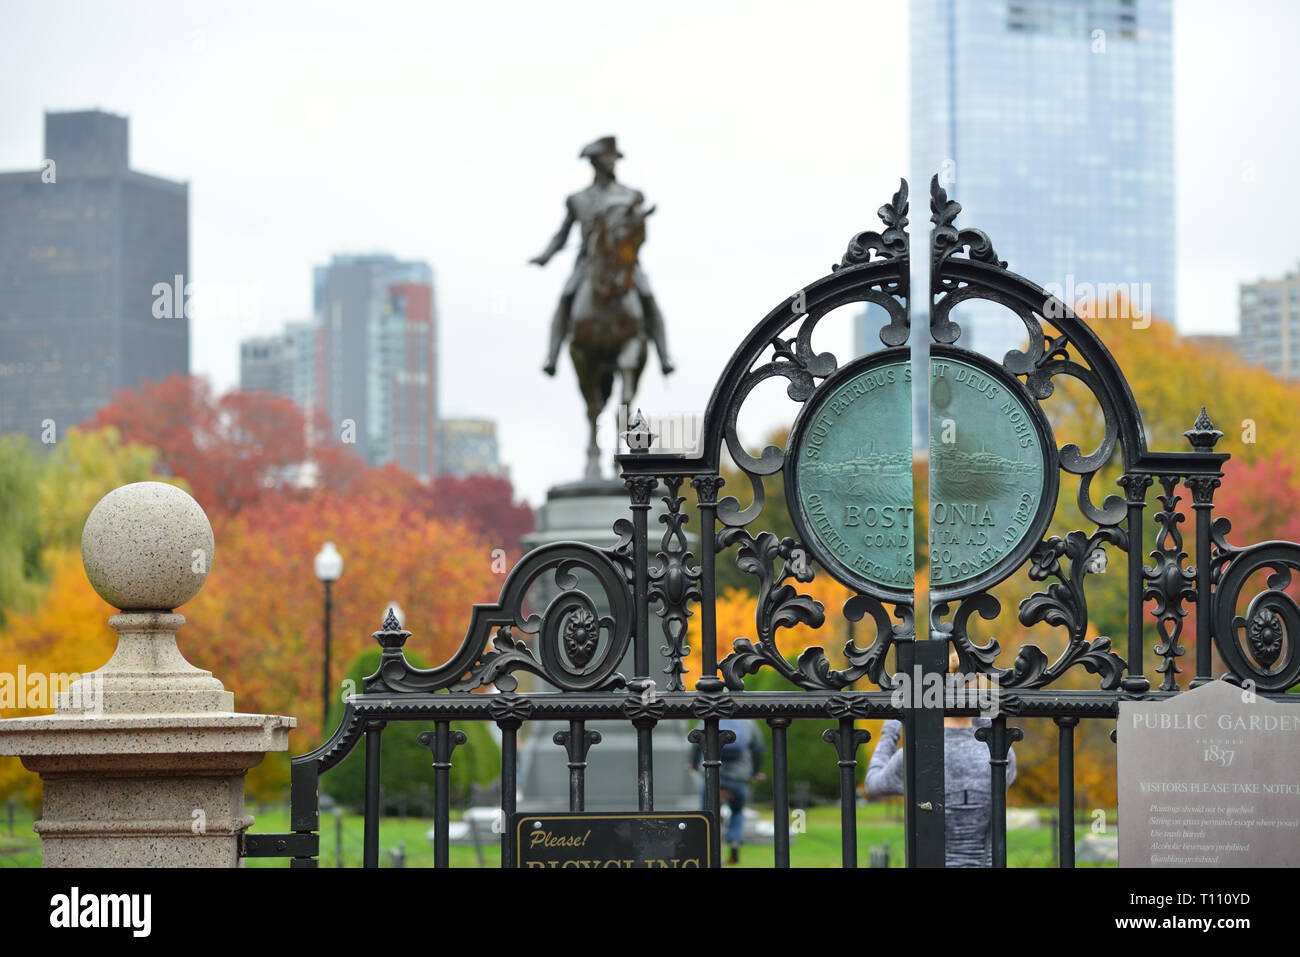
[86, 245]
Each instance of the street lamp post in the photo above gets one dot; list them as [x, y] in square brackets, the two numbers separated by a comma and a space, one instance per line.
[329, 566]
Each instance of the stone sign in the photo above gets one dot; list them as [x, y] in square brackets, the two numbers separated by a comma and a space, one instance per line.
[992, 475]
[1209, 778]
[587, 840]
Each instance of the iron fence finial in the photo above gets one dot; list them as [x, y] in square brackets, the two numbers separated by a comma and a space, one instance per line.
[1203, 435]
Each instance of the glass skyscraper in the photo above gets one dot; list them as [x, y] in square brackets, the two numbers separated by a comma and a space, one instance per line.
[1051, 122]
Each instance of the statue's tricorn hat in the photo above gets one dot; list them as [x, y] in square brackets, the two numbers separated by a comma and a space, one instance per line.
[601, 147]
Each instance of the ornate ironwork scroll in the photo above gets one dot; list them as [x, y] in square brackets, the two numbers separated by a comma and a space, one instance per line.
[779, 605]
[1263, 645]
[1169, 583]
[946, 240]
[675, 584]
[576, 646]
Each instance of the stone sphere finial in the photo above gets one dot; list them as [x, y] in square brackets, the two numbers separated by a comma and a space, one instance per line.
[147, 547]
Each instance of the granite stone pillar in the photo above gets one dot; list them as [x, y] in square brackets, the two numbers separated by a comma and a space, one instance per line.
[143, 761]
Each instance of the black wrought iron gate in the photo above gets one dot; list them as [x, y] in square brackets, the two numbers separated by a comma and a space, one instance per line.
[635, 576]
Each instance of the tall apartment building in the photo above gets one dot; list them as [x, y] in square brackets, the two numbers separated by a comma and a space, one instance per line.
[1051, 122]
[84, 241]
[368, 359]
[377, 365]
[402, 367]
[1270, 324]
[307, 341]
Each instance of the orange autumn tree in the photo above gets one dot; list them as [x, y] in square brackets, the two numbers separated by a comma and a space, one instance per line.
[233, 450]
[66, 633]
[62, 629]
[258, 623]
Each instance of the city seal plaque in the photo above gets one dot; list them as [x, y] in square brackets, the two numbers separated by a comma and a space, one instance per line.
[993, 474]
[849, 475]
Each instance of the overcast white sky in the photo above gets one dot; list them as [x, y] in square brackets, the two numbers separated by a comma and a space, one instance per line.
[766, 133]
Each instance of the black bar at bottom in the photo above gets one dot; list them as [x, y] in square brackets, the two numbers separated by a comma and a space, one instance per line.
[374, 735]
[923, 772]
[509, 737]
[780, 793]
[1065, 790]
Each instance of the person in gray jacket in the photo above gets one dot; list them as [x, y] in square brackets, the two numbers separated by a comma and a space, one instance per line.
[968, 780]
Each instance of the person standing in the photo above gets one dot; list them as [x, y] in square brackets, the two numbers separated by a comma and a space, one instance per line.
[968, 786]
[742, 761]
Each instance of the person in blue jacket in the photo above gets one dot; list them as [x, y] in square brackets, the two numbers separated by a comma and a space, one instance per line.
[742, 761]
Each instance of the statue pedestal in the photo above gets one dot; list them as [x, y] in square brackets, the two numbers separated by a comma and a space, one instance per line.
[586, 512]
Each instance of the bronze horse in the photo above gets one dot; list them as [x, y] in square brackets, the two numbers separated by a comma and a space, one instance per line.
[608, 318]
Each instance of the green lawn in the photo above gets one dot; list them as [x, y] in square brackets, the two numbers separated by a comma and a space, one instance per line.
[819, 846]
[23, 849]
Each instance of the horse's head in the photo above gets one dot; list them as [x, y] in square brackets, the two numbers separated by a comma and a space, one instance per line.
[616, 243]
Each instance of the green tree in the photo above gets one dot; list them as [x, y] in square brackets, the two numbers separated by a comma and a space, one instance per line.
[82, 469]
[21, 570]
[46, 501]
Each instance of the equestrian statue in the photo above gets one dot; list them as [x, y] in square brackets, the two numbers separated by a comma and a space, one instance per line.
[606, 309]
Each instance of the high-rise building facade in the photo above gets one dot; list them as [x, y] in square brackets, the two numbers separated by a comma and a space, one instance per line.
[266, 363]
[1270, 324]
[94, 261]
[404, 366]
[469, 447]
[377, 380]
[866, 328]
[1051, 122]
[306, 342]
[284, 363]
